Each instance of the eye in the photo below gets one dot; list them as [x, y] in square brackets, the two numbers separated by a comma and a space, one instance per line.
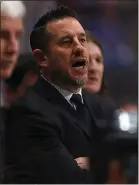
[99, 60]
[66, 41]
[83, 40]
[4, 35]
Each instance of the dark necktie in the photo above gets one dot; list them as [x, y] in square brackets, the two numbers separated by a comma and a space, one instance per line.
[83, 114]
[76, 99]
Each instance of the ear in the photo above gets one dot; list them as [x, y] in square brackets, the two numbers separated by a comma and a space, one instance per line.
[41, 58]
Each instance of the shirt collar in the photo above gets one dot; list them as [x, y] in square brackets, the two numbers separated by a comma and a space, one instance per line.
[67, 94]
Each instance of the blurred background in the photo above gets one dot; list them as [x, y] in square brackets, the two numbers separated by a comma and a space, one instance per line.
[115, 24]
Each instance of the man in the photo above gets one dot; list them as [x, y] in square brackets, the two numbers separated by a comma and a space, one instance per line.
[51, 130]
[11, 30]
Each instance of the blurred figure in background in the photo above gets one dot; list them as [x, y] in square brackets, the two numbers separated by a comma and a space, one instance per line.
[24, 76]
[11, 31]
[96, 81]
[96, 85]
[96, 65]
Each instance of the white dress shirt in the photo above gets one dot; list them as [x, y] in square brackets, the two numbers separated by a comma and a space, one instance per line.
[65, 93]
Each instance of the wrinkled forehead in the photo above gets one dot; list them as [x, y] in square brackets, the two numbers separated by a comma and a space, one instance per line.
[11, 23]
[65, 26]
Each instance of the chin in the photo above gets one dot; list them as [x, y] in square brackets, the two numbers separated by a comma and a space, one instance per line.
[92, 89]
[81, 82]
[5, 74]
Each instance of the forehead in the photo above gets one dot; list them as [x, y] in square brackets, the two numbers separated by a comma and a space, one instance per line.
[94, 48]
[65, 26]
[10, 23]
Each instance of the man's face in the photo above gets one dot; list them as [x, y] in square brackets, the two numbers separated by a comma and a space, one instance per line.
[96, 68]
[11, 31]
[68, 54]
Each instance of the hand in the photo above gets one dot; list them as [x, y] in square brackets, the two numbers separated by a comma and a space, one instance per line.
[83, 162]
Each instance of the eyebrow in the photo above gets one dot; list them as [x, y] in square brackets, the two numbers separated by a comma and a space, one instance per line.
[65, 36]
[82, 34]
[68, 35]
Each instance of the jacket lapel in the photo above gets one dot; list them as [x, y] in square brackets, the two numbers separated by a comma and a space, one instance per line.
[52, 95]
[89, 101]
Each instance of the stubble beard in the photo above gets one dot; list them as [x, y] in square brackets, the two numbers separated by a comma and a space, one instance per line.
[63, 79]
[81, 82]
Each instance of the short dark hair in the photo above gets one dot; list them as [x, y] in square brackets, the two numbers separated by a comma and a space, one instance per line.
[92, 38]
[40, 37]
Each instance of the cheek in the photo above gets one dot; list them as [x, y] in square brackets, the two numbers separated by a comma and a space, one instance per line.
[17, 46]
[101, 70]
[2, 46]
[62, 60]
[64, 57]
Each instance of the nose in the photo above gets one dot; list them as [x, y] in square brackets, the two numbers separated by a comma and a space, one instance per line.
[92, 65]
[12, 46]
[79, 49]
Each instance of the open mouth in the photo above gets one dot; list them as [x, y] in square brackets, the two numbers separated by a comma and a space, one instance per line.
[78, 68]
[79, 63]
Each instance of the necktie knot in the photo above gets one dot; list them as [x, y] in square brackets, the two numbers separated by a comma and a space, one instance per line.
[76, 99]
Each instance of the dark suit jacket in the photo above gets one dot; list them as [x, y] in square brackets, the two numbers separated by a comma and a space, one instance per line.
[44, 135]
